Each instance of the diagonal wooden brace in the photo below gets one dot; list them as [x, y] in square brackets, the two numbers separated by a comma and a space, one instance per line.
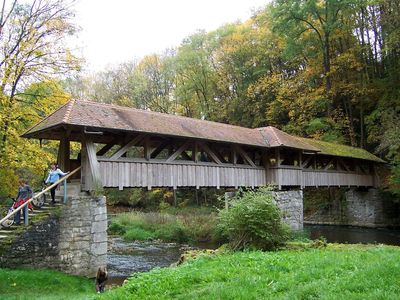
[179, 151]
[244, 155]
[125, 148]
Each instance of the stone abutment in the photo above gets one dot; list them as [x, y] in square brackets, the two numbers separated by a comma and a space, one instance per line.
[72, 239]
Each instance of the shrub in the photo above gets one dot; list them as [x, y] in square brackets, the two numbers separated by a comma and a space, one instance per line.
[116, 228]
[163, 206]
[253, 221]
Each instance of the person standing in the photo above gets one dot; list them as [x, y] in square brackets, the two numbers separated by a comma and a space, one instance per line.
[24, 194]
[54, 175]
[101, 279]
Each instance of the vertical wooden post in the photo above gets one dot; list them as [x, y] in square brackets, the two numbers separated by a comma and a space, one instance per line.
[265, 159]
[233, 155]
[147, 150]
[195, 151]
[278, 163]
[301, 168]
[278, 157]
[91, 170]
[300, 159]
[175, 200]
[86, 177]
[64, 154]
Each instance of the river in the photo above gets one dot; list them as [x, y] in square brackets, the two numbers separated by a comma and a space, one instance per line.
[354, 235]
[125, 258]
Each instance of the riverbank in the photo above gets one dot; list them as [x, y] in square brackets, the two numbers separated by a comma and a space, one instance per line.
[351, 271]
[183, 225]
[43, 284]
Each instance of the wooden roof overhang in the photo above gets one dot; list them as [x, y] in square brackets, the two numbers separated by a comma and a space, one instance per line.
[79, 133]
[104, 123]
[79, 118]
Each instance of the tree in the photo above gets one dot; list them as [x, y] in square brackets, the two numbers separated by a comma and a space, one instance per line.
[32, 49]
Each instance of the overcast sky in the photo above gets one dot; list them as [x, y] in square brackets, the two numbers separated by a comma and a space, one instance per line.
[114, 31]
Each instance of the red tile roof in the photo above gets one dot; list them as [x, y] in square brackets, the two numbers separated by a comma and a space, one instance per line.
[90, 114]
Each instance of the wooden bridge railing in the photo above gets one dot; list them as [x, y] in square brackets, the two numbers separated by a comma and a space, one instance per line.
[161, 174]
[296, 176]
[186, 174]
[25, 205]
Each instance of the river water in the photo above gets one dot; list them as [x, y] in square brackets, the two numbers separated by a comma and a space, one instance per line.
[354, 235]
[126, 258]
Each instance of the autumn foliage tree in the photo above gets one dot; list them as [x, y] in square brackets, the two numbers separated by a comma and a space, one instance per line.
[32, 50]
[326, 69]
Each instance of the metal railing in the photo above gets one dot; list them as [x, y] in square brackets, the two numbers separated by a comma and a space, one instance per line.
[25, 205]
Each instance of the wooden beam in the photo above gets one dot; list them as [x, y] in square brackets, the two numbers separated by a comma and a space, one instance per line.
[329, 162]
[147, 148]
[94, 165]
[186, 156]
[278, 157]
[265, 158]
[245, 156]
[210, 153]
[307, 161]
[218, 154]
[300, 160]
[233, 155]
[156, 151]
[195, 152]
[178, 152]
[106, 148]
[125, 148]
[64, 154]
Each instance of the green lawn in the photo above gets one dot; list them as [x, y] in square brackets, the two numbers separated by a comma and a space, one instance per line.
[337, 272]
[43, 284]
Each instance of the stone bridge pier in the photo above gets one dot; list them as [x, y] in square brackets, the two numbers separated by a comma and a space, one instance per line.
[72, 239]
[291, 205]
[369, 208]
[360, 207]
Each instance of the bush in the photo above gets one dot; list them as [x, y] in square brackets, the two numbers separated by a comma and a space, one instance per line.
[253, 221]
[116, 228]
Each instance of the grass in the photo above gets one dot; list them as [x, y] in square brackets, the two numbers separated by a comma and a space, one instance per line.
[43, 284]
[184, 225]
[336, 272]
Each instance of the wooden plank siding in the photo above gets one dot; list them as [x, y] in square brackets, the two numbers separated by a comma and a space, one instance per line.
[153, 173]
[291, 176]
[141, 174]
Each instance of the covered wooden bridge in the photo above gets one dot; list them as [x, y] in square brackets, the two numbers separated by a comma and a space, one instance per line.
[126, 147]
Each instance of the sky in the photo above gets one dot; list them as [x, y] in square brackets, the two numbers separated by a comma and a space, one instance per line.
[116, 31]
